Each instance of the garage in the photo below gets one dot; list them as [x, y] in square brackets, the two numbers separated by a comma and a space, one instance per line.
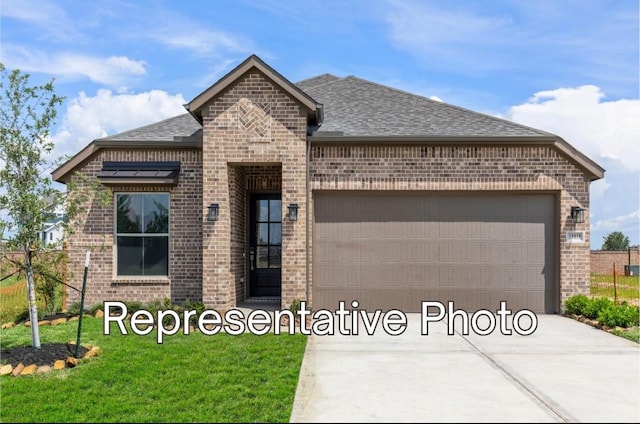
[392, 250]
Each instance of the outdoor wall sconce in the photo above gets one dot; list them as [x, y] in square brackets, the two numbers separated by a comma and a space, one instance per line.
[212, 215]
[577, 214]
[293, 212]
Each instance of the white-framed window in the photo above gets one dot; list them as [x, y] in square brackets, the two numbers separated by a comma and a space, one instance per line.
[142, 234]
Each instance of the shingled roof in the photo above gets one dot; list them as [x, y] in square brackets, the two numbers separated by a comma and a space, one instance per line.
[357, 107]
[354, 109]
[171, 129]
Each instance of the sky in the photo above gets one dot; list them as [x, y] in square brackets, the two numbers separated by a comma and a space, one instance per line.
[569, 67]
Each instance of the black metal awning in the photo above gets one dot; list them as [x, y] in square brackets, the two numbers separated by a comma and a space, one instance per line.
[139, 173]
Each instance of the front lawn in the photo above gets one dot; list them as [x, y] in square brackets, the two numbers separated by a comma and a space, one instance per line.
[193, 378]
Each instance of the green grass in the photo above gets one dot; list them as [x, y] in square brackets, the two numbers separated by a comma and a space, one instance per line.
[628, 287]
[632, 333]
[194, 378]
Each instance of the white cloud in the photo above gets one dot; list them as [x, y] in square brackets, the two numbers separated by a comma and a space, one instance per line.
[622, 223]
[598, 188]
[177, 31]
[88, 118]
[202, 42]
[604, 130]
[113, 70]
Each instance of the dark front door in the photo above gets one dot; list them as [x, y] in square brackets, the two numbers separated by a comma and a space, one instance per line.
[265, 245]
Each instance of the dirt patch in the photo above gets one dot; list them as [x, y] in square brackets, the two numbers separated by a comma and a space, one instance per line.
[46, 355]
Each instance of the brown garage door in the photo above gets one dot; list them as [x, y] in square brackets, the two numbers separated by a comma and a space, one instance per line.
[395, 250]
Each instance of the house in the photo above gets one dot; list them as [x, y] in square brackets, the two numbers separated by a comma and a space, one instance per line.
[333, 189]
[53, 230]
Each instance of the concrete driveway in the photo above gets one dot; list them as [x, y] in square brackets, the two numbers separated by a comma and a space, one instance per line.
[566, 371]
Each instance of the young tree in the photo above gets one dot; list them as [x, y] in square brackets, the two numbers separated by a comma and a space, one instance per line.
[26, 195]
[615, 241]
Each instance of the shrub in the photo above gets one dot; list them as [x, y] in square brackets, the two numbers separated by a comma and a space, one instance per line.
[22, 316]
[155, 306]
[133, 305]
[74, 309]
[94, 308]
[167, 303]
[620, 316]
[295, 306]
[595, 305]
[195, 306]
[199, 307]
[576, 304]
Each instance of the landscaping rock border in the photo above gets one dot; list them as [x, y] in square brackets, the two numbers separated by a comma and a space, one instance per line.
[60, 364]
[43, 322]
[69, 362]
[594, 323]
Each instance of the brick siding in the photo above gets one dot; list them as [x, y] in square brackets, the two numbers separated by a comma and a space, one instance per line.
[95, 232]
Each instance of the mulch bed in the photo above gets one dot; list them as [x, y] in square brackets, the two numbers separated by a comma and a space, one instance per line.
[46, 355]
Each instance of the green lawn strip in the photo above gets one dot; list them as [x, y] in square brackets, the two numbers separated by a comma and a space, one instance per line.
[194, 378]
[632, 333]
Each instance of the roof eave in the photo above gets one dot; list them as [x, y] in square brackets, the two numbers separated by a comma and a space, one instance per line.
[63, 172]
[595, 171]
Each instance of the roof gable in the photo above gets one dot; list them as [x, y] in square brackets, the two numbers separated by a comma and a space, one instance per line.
[195, 106]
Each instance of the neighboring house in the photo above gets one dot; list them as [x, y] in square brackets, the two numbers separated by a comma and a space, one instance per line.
[333, 189]
[53, 230]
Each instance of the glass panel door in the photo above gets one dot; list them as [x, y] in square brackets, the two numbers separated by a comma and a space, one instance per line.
[265, 247]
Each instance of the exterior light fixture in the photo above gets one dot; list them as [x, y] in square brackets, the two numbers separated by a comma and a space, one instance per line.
[293, 212]
[212, 215]
[577, 214]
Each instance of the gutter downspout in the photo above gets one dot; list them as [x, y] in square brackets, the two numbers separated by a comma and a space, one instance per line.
[307, 217]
